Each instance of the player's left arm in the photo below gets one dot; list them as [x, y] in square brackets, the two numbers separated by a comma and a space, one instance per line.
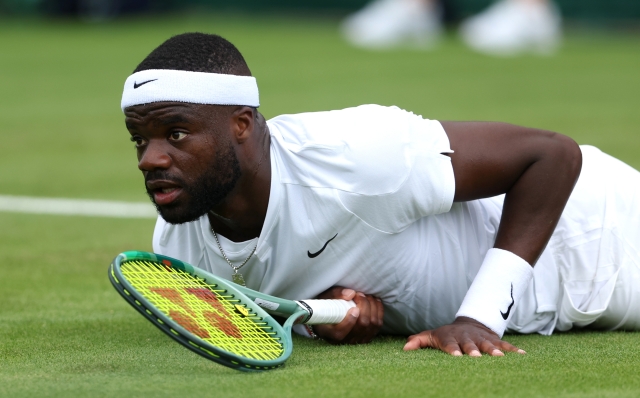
[537, 171]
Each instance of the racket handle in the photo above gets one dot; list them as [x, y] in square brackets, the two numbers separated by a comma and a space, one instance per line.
[326, 311]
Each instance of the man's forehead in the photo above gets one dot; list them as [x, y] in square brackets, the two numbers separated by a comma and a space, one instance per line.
[159, 108]
[165, 112]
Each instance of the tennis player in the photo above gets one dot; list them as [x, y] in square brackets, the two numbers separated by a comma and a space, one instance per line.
[432, 227]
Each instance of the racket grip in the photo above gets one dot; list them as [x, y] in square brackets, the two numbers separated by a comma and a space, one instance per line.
[326, 311]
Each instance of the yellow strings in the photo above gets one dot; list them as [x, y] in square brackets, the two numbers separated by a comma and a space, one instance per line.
[212, 315]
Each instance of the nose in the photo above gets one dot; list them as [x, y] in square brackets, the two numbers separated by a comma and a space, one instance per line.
[154, 157]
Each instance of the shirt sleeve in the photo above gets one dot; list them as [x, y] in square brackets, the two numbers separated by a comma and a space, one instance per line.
[387, 166]
[426, 187]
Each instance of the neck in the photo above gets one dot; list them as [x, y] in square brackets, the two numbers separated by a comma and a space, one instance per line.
[240, 216]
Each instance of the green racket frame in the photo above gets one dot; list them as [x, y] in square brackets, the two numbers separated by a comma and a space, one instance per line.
[247, 297]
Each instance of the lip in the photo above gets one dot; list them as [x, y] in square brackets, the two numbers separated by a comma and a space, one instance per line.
[164, 192]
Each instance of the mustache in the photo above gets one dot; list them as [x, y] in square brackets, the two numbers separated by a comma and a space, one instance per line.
[163, 175]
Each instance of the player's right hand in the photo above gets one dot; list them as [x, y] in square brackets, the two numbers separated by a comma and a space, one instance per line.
[362, 322]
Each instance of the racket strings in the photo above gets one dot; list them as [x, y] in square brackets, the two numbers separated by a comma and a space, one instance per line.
[206, 310]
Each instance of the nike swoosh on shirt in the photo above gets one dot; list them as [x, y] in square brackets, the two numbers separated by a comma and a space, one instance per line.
[316, 254]
[136, 85]
[505, 315]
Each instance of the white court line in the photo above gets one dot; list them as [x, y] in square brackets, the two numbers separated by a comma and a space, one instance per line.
[76, 207]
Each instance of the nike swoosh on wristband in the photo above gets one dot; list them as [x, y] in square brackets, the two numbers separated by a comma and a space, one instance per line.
[136, 85]
[505, 315]
[316, 254]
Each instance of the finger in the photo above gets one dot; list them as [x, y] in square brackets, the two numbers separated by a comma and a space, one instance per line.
[374, 323]
[451, 347]
[337, 292]
[470, 348]
[347, 294]
[488, 347]
[359, 332]
[505, 346]
[337, 333]
[373, 312]
[380, 308]
[362, 302]
[417, 341]
[426, 339]
[345, 329]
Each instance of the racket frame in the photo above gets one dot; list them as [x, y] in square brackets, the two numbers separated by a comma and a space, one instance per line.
[289, 308]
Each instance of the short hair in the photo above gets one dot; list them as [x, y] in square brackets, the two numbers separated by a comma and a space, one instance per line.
[197, 52]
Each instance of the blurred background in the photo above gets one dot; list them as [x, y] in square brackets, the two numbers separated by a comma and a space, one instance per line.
[63, 63]
[611, 12]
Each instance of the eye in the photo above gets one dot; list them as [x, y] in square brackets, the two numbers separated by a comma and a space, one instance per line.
[139, 141]
[177, 135]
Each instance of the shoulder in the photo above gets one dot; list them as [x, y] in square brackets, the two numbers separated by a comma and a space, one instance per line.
[364, 122]
[367, 150]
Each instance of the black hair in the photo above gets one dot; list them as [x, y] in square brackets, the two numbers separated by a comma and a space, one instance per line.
[197, 52]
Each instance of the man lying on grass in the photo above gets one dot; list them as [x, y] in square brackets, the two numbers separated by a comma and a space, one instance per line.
[433, 227]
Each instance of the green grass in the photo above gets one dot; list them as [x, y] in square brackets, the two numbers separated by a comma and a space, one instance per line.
[65, 332]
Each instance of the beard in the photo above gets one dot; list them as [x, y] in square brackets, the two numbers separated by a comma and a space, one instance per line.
[204, 192]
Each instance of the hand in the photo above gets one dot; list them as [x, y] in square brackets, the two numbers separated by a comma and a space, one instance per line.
[362, 322]
[464, 335]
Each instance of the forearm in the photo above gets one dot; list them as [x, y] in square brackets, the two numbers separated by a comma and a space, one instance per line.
[534, 204]
[539, 179]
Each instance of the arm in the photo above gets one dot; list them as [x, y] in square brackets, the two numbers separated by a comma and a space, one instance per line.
[537, 171]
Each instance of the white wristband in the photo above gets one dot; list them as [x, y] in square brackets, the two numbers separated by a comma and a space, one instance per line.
[496, 290]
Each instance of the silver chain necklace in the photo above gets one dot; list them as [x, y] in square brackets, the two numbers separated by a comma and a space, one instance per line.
[236, 277]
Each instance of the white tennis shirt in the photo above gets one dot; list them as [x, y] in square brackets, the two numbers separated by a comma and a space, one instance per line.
[363, 198]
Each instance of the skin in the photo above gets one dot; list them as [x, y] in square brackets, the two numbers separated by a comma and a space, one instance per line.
[179, 138]
[361, 324]
[536, 170]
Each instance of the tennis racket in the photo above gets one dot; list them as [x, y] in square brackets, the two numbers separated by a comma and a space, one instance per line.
[213, 317]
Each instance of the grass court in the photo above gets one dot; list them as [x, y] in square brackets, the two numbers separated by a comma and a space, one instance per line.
[64, 331]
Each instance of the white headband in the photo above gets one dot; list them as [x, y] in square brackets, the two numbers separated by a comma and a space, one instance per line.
[155, 85]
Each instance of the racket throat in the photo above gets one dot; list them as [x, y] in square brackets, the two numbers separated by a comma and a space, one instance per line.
[308, 312]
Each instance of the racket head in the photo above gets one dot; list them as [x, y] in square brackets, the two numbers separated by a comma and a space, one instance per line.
[208, 316]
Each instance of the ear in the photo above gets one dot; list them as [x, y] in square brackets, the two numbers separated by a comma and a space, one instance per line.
[242, 123]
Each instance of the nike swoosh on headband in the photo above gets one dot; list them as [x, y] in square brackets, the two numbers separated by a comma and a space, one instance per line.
[136, 85]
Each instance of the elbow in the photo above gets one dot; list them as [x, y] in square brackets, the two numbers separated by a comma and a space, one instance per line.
[568, 156]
